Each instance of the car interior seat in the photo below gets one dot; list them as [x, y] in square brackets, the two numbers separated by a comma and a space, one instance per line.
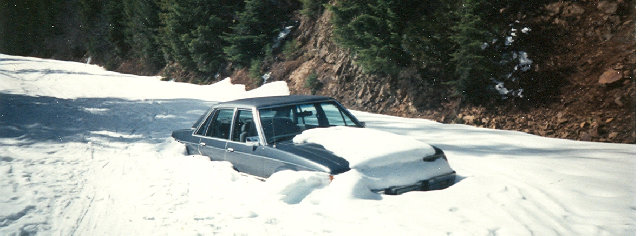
[244, 131]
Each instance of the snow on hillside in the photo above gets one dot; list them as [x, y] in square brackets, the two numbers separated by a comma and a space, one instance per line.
[84, 151]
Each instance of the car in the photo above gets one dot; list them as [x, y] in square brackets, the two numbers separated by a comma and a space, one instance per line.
[258, 136]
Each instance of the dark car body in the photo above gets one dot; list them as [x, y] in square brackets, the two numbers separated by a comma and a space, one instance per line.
[255, 135]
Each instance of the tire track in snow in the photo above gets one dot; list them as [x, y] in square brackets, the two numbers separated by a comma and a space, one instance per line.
[82, 216]
[9, 219]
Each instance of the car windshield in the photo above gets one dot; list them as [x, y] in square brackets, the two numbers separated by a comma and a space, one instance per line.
[285, 122]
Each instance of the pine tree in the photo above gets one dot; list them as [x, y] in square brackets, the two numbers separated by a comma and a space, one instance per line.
[26, 25]
[484, 58]
[426, 37]
[116, 27]
[103, 23]
[311, 8]
[192, 32]
[142, 31]
[255, 28]
[476, 61]
[373, 29]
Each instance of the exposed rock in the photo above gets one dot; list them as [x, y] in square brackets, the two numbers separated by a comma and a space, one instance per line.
[595, 130]
[573, 10]
[469, 119]
[608, 7]
[619, 102]
[585, 136]
[584, 124]
[554, 8]
[610, 76]
[562, 120]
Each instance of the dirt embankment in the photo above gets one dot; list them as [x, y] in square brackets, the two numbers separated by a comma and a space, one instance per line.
[587, 49]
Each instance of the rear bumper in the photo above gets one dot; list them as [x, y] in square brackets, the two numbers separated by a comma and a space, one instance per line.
[435, 183]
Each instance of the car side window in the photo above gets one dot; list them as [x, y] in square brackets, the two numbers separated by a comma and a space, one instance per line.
[203, 128]
[220, 127]
[244, 129]
[335, 116]
[307, 115]
[279, 123]
[195, 125]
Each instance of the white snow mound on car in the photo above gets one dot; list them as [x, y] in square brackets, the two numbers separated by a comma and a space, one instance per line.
[366, 148]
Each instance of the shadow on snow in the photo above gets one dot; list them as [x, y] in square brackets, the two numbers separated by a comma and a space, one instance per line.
[38, 119]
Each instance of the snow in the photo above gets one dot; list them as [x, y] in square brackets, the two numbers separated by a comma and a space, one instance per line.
[509, 40]
[382, 159]
[84, 151]
[366, 148]
[524, 63]
[72, 80]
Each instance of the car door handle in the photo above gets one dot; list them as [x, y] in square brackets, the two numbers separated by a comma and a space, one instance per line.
[203, 144]
[229, 149]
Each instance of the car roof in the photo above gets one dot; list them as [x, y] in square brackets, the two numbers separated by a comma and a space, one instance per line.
[260, 102]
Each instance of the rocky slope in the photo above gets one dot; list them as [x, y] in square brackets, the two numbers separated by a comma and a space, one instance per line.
[586, 49]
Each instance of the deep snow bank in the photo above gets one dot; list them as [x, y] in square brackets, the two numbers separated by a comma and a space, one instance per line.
[70, 80]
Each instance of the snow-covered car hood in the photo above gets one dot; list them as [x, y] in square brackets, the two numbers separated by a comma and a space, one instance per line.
[317, 154]
[378, 159]
[366, 148]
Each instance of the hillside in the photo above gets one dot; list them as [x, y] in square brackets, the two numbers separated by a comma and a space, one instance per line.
[585, 50]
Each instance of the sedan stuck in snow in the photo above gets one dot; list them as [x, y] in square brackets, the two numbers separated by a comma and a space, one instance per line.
[264, 135]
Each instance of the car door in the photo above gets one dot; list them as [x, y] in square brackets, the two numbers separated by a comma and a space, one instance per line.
[214, 137]
[244, 151]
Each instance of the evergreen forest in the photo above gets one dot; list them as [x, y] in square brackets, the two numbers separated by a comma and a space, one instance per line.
[476, 47]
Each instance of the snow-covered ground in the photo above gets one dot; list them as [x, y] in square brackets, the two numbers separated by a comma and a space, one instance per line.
[84, 151]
